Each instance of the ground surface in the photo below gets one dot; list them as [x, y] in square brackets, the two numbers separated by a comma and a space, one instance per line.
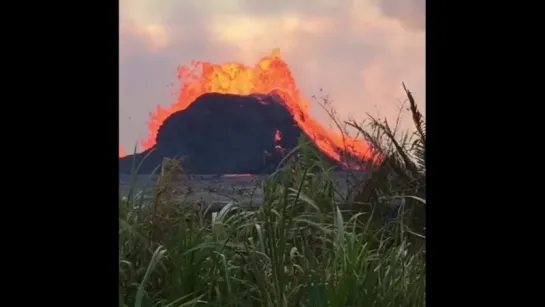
[222, 189]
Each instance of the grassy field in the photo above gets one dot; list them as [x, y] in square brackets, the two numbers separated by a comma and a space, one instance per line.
[299, 248]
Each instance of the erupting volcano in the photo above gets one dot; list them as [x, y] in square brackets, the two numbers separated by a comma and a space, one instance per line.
[232, 118]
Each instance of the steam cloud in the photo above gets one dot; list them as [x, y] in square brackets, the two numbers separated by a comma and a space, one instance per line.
[358, 51]
[412, 13]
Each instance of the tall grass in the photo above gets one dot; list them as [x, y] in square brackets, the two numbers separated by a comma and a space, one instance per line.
[297, 249]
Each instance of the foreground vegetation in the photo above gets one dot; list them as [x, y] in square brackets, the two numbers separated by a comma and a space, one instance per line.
[300, 248]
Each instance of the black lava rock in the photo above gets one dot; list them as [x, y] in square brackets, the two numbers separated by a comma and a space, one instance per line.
[222, 134]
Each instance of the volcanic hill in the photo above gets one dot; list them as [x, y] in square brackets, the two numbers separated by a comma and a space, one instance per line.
[223, 134]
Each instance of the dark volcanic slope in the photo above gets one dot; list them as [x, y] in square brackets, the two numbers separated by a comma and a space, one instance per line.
[220, 134]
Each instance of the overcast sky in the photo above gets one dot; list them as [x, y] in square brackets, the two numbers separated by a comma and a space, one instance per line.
[357, 51]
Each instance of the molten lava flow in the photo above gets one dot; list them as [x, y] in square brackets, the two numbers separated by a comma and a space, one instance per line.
[278, 136]
[270, 74]
[277, 139]
[121, 152]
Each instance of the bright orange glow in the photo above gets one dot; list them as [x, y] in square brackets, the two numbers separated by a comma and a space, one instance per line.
[278, 136]
[277, 139]
[270, 74]
[121, 152]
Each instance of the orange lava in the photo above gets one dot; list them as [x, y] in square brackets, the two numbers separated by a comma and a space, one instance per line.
[271, 73]
[121, 152]
[277, 139]
[278, 136]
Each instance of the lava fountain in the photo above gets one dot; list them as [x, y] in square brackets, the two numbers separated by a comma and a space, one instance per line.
[270, 74]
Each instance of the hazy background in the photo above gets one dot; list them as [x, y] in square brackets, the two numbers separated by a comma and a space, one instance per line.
[357, 51]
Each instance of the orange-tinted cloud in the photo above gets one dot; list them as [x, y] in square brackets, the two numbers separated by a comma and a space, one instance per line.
[357, 51]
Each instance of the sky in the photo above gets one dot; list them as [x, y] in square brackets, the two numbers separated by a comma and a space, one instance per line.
[357, 51]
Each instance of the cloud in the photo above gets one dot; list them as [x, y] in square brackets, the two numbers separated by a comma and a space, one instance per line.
[357, 51]
[412, 13]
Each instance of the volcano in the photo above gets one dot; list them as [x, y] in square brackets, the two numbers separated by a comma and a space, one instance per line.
[224, 134]
[232, 118]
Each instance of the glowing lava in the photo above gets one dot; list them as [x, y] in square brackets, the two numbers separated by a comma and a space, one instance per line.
[121, 152]
[270, 74]
[277, 139]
